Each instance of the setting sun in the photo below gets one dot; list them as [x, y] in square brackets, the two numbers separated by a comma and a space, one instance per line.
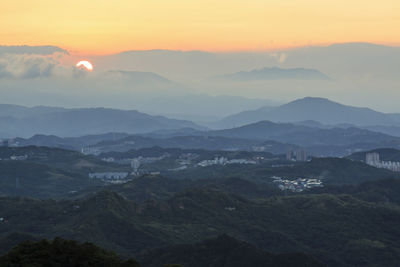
[85, 64]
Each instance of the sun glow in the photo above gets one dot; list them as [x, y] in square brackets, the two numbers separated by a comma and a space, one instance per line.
[107, 27]
[85, 64]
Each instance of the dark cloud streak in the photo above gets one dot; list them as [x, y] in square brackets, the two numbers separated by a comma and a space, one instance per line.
[37, 50]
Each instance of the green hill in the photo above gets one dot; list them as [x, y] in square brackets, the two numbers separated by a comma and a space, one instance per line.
[44, 172]
[332, 171]
[62, 253]
[340, 171]
[335, 229]
[150, 188]
[21, 178]
[379, 191]
[63, 159]
[223, 251]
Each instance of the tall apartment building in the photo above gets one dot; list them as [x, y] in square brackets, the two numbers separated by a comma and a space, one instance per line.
[298, 155]
[372, 158]
[301, 155]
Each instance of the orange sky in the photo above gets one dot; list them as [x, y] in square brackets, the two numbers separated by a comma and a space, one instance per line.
[105, 26]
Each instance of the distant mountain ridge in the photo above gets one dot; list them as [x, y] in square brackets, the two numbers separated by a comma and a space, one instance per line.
[265, 135]
[321, 110]
[72, 143]
[17, 111]
[81, 121]
[140, 77]
[268, 136]
[275, 73]
[304, 135]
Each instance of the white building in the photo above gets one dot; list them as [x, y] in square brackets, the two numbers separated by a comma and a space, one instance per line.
[108, 175]
[372, 158]
[135, 164]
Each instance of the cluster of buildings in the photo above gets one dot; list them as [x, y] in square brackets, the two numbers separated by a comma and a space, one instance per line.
[16, 157]
[110, 177]
[260, 148]
[9, 143]
[224, 161]
[297, 155]
[373, 159]
[187, 158]
[296, 185]
[184, 161]
[4, 143]
[180, 168]
[90, 151]
[136, 163]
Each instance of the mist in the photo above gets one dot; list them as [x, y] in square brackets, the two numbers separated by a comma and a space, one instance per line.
[183, 85]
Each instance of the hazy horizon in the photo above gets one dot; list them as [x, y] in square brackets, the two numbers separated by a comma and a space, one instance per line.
[161, 81]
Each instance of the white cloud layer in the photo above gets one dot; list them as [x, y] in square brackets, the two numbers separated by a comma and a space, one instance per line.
[27, 66]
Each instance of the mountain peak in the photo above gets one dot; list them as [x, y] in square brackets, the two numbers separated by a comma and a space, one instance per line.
[318, 109]
[313, 101]
[312, 98]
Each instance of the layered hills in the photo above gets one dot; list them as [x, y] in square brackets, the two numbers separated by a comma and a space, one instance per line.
[84, 121]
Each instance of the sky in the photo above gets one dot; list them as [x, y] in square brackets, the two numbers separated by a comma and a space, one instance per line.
[105, 27]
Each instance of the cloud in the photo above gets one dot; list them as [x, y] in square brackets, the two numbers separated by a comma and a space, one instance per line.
[27, 66]
[280, 57]
[28, 62]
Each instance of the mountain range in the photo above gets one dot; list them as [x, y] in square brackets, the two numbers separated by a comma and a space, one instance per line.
[321, 110]
[274, 73]
[25, 122]
[303, 135]
[318, 124]
[268, 136]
